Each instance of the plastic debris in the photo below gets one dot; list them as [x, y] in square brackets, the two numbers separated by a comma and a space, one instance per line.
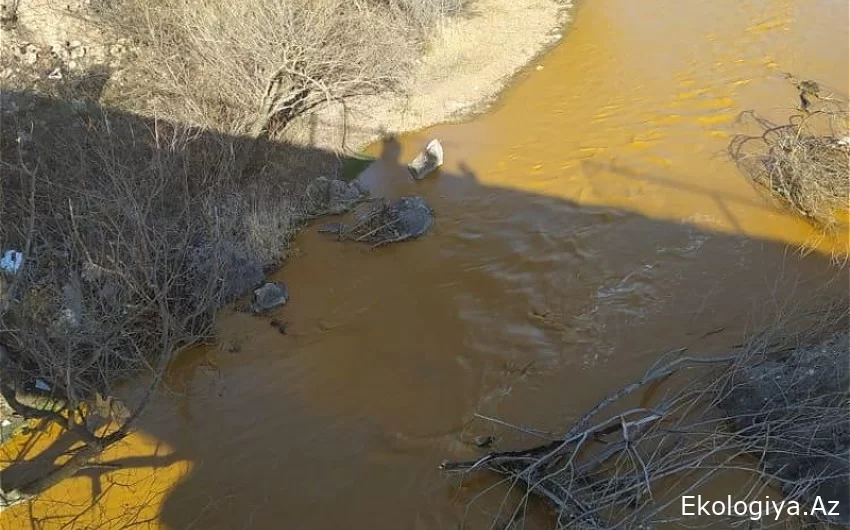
[427, 161]
[41, 385]
[11, 261]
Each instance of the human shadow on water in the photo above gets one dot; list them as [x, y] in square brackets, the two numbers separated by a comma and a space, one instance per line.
[515, 305]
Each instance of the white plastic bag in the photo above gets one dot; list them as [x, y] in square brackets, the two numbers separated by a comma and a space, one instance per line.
[11, 261]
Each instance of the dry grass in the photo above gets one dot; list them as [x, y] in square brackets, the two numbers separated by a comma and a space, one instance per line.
[771, 415]
[805, 163]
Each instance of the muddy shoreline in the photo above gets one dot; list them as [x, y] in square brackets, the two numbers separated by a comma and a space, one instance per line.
[457, 77]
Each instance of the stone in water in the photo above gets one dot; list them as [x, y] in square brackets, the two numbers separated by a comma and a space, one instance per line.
[268, 297]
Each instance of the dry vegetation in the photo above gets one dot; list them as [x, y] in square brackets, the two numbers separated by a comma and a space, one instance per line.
[771, 419]
[805, 163]
[135, 231]
[252, 67]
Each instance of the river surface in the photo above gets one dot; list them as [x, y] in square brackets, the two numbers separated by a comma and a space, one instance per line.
[589, 222]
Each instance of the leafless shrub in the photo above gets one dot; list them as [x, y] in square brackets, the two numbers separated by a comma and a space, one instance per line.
[253, 66]
[805, 162]
[134, 233]
[774, 412]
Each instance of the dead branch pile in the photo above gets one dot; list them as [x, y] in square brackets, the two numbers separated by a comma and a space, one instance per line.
[379, 222]
[779, 417]
[805, 162]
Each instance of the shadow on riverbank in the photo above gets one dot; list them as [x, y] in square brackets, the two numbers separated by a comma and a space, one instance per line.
[515, 304]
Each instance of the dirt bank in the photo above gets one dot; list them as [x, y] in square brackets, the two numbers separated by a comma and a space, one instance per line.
[463, 70]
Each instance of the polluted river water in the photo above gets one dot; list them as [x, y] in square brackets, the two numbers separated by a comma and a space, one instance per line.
[587, 223]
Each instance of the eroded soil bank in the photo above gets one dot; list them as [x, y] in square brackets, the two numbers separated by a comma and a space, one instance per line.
[588, 223]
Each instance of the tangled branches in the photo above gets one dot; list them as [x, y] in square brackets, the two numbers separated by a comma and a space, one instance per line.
[778, 417]
[805, 162]
[252, 67]
[379, 223]
[134, 234]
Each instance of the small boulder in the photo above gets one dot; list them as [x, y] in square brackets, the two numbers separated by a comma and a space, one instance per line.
[414, 217]
[268, 297]
[326, 196]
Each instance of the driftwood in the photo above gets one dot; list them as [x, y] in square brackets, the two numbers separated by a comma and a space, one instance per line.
[380, 223]
[804, 161]
[631, 469]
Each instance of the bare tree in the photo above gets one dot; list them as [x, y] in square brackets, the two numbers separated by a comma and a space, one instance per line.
[255, 66]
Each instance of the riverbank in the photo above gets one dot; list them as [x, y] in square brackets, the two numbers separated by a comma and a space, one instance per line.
[463, 71]
[65, 73]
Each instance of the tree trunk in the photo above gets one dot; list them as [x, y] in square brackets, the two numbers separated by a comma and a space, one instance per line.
[67, 470]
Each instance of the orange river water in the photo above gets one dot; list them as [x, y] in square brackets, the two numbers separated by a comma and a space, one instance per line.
[587, 223]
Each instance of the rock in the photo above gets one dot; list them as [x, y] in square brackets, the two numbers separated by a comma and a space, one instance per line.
[332, 197]
[483, 441]
[279, 326]
[427, 161]
[414, 216]
[268, 297]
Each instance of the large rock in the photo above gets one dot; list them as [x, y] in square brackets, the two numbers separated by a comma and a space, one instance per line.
[326, 196]
[268, 297]
[413, 217]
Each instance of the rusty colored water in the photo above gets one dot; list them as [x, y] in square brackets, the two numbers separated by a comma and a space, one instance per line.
[586, 224]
